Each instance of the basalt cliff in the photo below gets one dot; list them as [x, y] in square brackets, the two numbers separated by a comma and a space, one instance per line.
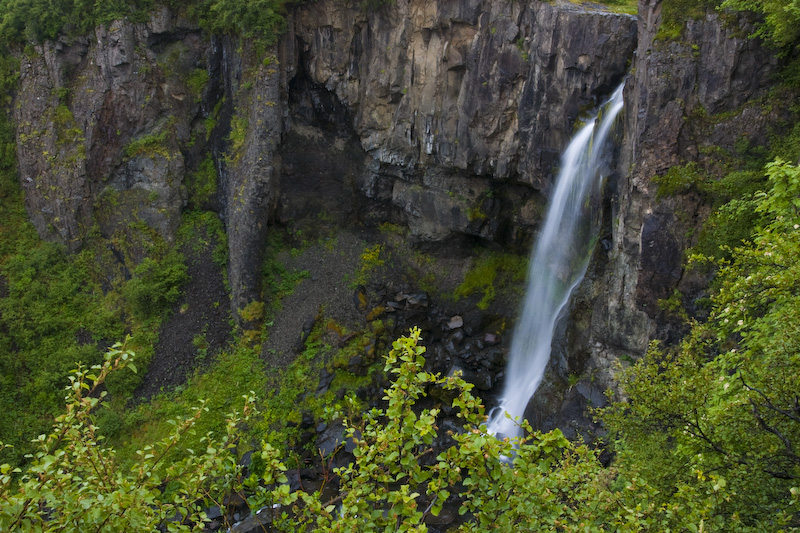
[446, 117]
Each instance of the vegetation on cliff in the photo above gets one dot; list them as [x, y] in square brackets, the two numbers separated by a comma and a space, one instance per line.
[706, 438]
[778, 24]
[23, 21]
[726, 399]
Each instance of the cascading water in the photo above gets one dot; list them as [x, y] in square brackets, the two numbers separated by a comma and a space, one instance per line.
[558, 263]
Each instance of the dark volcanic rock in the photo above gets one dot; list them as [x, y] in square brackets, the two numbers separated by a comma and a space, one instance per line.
[713, 69]
[445, 94]
[198, 328]
[83, 105]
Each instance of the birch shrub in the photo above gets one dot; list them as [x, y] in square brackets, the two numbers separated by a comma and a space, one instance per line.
[402, 473]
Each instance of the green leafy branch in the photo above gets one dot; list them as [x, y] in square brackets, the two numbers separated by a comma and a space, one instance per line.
[75, 482]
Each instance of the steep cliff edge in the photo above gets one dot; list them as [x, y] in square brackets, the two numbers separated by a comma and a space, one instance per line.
[112, 128]
[455, 102]
[104, 126]
[692, 100]
[255, 97]
[461, 110]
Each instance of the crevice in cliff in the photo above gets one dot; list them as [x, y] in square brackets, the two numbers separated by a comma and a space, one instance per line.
[311, 104]
[324, 165]
[218, 109]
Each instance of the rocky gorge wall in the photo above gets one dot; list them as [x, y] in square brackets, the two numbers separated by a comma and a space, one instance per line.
[445, 116]
[687, 100]
[113, 129]
[460, 108]
[81, 106]
[463, 96]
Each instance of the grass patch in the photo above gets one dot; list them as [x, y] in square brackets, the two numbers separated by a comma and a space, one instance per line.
[675, 13]
[279, 282]
[236, 138]
[156, 285]
[59, 308]
[67, 130]
[372, 258]
[202, 184]
[630, 7]
[196, 82]
[234, 373]
[199, 230]
[294, 390]
[284, 395]
[490, 273]
[211, 121]
[149, 146]
[52, 316]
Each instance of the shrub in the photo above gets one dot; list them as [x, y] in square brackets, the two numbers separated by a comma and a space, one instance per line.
[156, 285]
[75, 482]
[398, 478]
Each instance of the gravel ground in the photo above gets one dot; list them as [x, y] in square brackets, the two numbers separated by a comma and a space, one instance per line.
[204, 309]
[330, 265]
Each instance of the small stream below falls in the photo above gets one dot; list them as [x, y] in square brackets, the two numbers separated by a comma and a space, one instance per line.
[558, 263]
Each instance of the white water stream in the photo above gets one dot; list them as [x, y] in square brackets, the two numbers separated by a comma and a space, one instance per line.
[558, 263]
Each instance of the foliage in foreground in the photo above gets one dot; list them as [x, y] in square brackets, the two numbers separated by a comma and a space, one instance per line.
[727, 400]
[74, 481]
[400, 476]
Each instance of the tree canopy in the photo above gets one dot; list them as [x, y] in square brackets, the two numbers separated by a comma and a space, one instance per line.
[38, 20]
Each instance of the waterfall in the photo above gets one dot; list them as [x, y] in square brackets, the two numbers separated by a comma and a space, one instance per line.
[558, 263]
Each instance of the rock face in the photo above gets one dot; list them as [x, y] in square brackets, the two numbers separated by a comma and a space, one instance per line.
[445, 116]
[713, 71]
[458, 109]
[457, 101]
[101, 123]
[109, 128]
[255, 88]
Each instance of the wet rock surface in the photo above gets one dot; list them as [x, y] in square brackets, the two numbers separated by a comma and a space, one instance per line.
[674, 89]
[423, 100]
[436, 89]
